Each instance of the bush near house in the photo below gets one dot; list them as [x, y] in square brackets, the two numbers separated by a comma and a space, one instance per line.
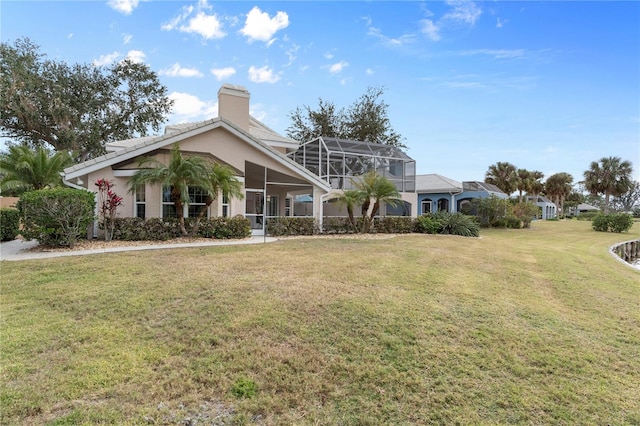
[588, 215]
[279, 226]
[156, 229]
[614, 222]
[56, 217]
[9, 224]
[394, 225]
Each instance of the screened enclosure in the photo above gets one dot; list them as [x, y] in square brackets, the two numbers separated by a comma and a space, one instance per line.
[337, 160]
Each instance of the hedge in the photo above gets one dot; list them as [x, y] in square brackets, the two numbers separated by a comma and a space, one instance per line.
[136, 229]
[9, 224]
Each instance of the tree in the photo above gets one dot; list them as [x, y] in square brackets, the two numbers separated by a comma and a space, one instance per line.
[24, 169]
[365, 120]
[503, 175]
[220, 179]
[351, 198]
[558, 187]
[76, 108]
[627, 201]
[178, 175]
[377, 189]
[609, 176]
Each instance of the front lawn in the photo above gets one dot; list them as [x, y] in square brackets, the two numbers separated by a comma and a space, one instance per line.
[537, 326]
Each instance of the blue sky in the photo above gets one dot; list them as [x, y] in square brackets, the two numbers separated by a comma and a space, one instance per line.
[547, 86]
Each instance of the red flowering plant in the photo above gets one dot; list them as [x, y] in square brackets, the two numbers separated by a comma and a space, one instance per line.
[108, 203]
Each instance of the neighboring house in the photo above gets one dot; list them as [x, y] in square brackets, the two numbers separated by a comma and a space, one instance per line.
[583, 208]
[272, 181]
[439, 193]
[548, 207]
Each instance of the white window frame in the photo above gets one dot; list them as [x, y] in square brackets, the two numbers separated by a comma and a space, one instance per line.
[422, 204]
[137, 202]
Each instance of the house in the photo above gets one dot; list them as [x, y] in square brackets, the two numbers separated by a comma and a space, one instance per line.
[439, 193]
[272, 179]
[583, 208]
[548, 208]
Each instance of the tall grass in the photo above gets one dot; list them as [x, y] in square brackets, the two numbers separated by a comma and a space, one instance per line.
[537, 326]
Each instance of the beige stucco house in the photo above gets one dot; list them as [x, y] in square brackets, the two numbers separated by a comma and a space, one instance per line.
[272, 180]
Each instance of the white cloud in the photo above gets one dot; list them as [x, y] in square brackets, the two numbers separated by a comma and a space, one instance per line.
[259, 26]
[223, 73]
[136, 56]
[430, 29]
[106, 59]
[500, 23]
[123, 6]
[208, 26]
[70, 35]
[177, 71]
[370, 71]
[187, 107]
[126, 38]
[496, 53]
[463, 11]
[328, 55]
[262, 75]
[389, 41]
[338, 67]
[203, 24]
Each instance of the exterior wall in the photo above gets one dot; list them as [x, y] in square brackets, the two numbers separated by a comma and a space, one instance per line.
[6, 202]
[435, 197]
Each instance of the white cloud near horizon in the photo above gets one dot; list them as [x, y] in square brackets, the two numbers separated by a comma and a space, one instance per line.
[390, 41]
[262, 75]
[187, 107]
[223, 73]
[176, 70]
[259, 26]
[123, 6]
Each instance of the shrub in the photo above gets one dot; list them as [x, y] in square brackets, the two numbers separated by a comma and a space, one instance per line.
[600, 223]
[514, 222]
[525, 212]
[491, 210]
[58, 216]
[339, 225]
[278, 226]
[9, 224]
[458, 224]
[394, 225]
[620, 222]
[615, 222]
[588, 215]
[156, 229]
[427, 224]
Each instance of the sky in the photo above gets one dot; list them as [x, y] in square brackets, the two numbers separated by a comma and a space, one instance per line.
[544, 85]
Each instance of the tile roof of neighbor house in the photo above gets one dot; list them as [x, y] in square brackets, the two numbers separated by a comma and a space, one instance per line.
[435, 183]
[132, 148]
[586, 207]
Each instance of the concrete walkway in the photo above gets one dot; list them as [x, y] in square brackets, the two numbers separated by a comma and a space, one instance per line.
[20, 249]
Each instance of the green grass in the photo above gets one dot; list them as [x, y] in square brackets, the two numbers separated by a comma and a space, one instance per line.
[538, 326]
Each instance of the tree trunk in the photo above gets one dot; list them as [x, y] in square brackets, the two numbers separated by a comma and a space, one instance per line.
[203, 210]
[606, 202]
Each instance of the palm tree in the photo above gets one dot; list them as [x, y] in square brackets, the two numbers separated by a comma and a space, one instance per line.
[351, 198]
[221, 179]
[524, 182]
[179, 174]
[535, 184]
[376, 188]
[609, 176]
[503, 175]
[558, 186]
[23, 169]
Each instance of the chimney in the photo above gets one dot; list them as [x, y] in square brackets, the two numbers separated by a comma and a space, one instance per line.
[233, 105]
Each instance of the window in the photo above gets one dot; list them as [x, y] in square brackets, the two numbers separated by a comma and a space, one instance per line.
[197, 201]
[443, 205]
[140, 204]
[287, 206]
[272, 206]
[168, 208]
[426, 206]
[225, 205]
